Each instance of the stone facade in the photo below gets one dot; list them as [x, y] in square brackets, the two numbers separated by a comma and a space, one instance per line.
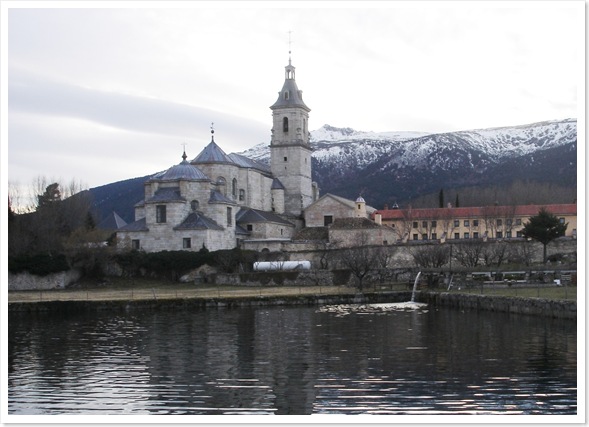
[450, 223]
[330, 207]
[220, 201]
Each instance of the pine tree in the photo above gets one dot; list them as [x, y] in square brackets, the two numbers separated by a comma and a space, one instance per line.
[544, 228]
[441, 198]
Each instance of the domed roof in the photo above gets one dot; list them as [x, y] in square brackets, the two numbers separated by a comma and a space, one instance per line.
[212, 153]
[183, 171]
[360, 199]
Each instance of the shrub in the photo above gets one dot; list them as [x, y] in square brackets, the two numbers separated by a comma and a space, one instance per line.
[38, 264]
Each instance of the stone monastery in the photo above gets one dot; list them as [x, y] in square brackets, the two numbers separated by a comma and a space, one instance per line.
[223, 201]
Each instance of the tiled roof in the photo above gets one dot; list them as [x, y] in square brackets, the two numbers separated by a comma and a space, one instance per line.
[167, 194]
[139, 225]
[247, 215]
[197, 221]
[246, 162]
[347, 202]
[212, 153]
[276, 184]
[312, 233]
[112, 222]
[217, 197]
[353, 223]
[183, 170]
[474, 212]
[294, 97]
[239, 230]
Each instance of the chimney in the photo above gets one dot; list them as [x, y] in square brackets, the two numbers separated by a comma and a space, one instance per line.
[386, 207]
[378, 219]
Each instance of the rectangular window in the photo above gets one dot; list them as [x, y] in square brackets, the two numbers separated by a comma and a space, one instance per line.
[508, 234]
[475, 235]
[434, 224]
[500, 234]
[518, 221]
[561, 220]
[475, 222]
[160, 213]
[135, 244]
[327, 219]
[520, 234]
[457, 236]
[499, 223]
[508, 221]
[186, 243]
[466, 223]
[229, 217]
[424, 224]
[250, 227]
[416, 236]
[456, 223]
[434, 236]
[285, 159]
[467, 235]
[414, 224]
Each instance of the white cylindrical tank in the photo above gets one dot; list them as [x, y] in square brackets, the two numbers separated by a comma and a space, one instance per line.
[282, 265]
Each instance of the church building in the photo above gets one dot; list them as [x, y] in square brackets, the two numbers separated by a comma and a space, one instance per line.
[220, 201]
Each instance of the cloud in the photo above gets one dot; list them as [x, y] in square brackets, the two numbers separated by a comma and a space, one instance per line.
[32, 94]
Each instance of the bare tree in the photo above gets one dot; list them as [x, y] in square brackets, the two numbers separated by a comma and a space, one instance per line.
[326, 252]
[469, 254]
[495, 253]
[431, 256]
[521, 253]
[359, 259]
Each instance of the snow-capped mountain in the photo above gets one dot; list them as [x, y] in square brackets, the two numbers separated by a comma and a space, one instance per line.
[391, 166]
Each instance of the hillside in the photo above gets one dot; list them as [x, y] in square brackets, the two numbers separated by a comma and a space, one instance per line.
[389, 167]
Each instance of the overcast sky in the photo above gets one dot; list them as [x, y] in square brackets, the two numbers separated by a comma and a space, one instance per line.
[105, 94]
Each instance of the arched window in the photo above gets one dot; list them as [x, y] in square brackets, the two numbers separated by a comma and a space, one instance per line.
[241, 195]
[234, 188]
[222, 184]
[286, 95]
[194, 205]
[285, 124]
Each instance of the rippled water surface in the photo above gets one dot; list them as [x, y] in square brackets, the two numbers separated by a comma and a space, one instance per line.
[299, 360]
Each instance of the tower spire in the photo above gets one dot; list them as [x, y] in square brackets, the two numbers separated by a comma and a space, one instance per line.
[184, 156]
[289, 46]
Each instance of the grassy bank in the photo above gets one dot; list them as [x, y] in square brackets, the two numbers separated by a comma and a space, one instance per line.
[117, 289]
[145, 289]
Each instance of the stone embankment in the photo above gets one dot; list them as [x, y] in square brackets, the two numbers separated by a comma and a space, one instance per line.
[529, 306]
[533, 306]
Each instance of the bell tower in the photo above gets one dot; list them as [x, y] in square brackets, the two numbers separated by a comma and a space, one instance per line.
[289, 147]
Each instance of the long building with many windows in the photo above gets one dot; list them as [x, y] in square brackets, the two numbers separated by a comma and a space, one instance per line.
[494, 222]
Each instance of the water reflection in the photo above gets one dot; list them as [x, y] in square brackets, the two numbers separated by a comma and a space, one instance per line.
[292, 361]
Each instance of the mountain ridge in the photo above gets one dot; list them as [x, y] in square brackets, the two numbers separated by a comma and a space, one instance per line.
[389, 167]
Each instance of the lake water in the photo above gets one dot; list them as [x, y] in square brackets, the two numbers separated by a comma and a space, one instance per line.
[292, 360]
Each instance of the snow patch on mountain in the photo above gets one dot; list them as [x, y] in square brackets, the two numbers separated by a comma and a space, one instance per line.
[475, 149]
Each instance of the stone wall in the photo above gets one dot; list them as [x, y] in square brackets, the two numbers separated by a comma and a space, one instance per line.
[29, 282]
[531, 306]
